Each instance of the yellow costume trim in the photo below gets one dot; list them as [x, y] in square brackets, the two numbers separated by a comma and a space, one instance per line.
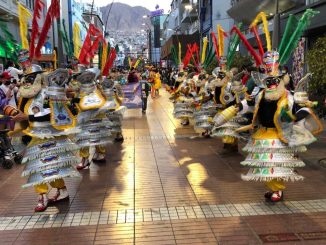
[85, 108]
[282, 103]
[63, 127]
[275, 185]
[265, 133]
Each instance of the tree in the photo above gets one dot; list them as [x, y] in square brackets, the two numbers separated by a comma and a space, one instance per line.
[317, 66]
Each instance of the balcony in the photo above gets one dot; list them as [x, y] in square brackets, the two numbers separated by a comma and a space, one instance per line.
[246, 10]
[190, 15]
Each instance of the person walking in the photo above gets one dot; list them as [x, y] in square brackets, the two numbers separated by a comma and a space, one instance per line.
[144, 87]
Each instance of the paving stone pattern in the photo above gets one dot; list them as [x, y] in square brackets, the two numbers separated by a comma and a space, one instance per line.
[166, 185]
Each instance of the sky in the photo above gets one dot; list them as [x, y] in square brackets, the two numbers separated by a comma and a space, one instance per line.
[150, 4]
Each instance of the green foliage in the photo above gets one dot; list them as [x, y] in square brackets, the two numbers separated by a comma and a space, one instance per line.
[239, 61]
[317, 65]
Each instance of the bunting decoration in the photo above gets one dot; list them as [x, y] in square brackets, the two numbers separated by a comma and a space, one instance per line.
[262, 17]
[24, 15]
[52, 14]
[89, 47]
[38, 8]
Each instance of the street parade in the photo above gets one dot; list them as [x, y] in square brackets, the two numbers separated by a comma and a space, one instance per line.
[225, 126]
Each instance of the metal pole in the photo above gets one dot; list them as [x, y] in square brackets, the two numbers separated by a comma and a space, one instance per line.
[150, 45]
[276, 24]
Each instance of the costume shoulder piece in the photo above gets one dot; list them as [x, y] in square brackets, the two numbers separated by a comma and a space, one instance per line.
[91, 97]
[61, 116]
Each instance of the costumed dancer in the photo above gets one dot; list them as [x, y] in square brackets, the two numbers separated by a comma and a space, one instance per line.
[206, 108]
[95, 131]
[224, 98]
[227, 131]
[283, 124]
[50, 154]
[112, 111]
[184, 108]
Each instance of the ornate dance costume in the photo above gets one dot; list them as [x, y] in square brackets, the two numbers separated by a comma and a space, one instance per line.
[50, 155]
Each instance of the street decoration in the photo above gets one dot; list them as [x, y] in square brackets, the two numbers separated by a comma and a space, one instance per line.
[23, 15]
[38, 8]
[262, 17]
[52, 14]
[77, 39]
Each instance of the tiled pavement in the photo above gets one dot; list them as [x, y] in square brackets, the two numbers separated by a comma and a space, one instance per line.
[182, 192]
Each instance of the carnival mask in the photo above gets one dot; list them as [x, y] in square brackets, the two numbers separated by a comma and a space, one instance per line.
[31, 85]
[275, 88]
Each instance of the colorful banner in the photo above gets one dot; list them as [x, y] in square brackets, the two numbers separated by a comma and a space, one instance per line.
[298, 62]
[24, 15]
[131, 100]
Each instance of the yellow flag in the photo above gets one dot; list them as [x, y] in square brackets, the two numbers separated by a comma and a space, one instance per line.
[137, 63]
[77, 40]
[104, 55]
[203, 53]
[130, 63]
[220, 34]
[24, 15]
[180, 50]
[54, 60]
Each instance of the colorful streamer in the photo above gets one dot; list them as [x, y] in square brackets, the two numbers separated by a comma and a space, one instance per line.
[248, 46]
[253, 29]
[262, 16]
[234, 43]
[293, 42]
[217, 52]
[291, 25]
[104, 55]
[221, 34]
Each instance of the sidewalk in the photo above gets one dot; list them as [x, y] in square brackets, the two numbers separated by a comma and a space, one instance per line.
[164, 185]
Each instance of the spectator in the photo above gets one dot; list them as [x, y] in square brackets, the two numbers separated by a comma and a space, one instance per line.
[133, 77]
[8, 91]
[144, 87]
[14, 72]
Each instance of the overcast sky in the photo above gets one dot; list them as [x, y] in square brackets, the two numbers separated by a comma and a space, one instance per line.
[150, 4]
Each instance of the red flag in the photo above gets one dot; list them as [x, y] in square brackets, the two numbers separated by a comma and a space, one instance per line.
[53, 13]
[89, 48]
[110, 61]
[38, 8]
